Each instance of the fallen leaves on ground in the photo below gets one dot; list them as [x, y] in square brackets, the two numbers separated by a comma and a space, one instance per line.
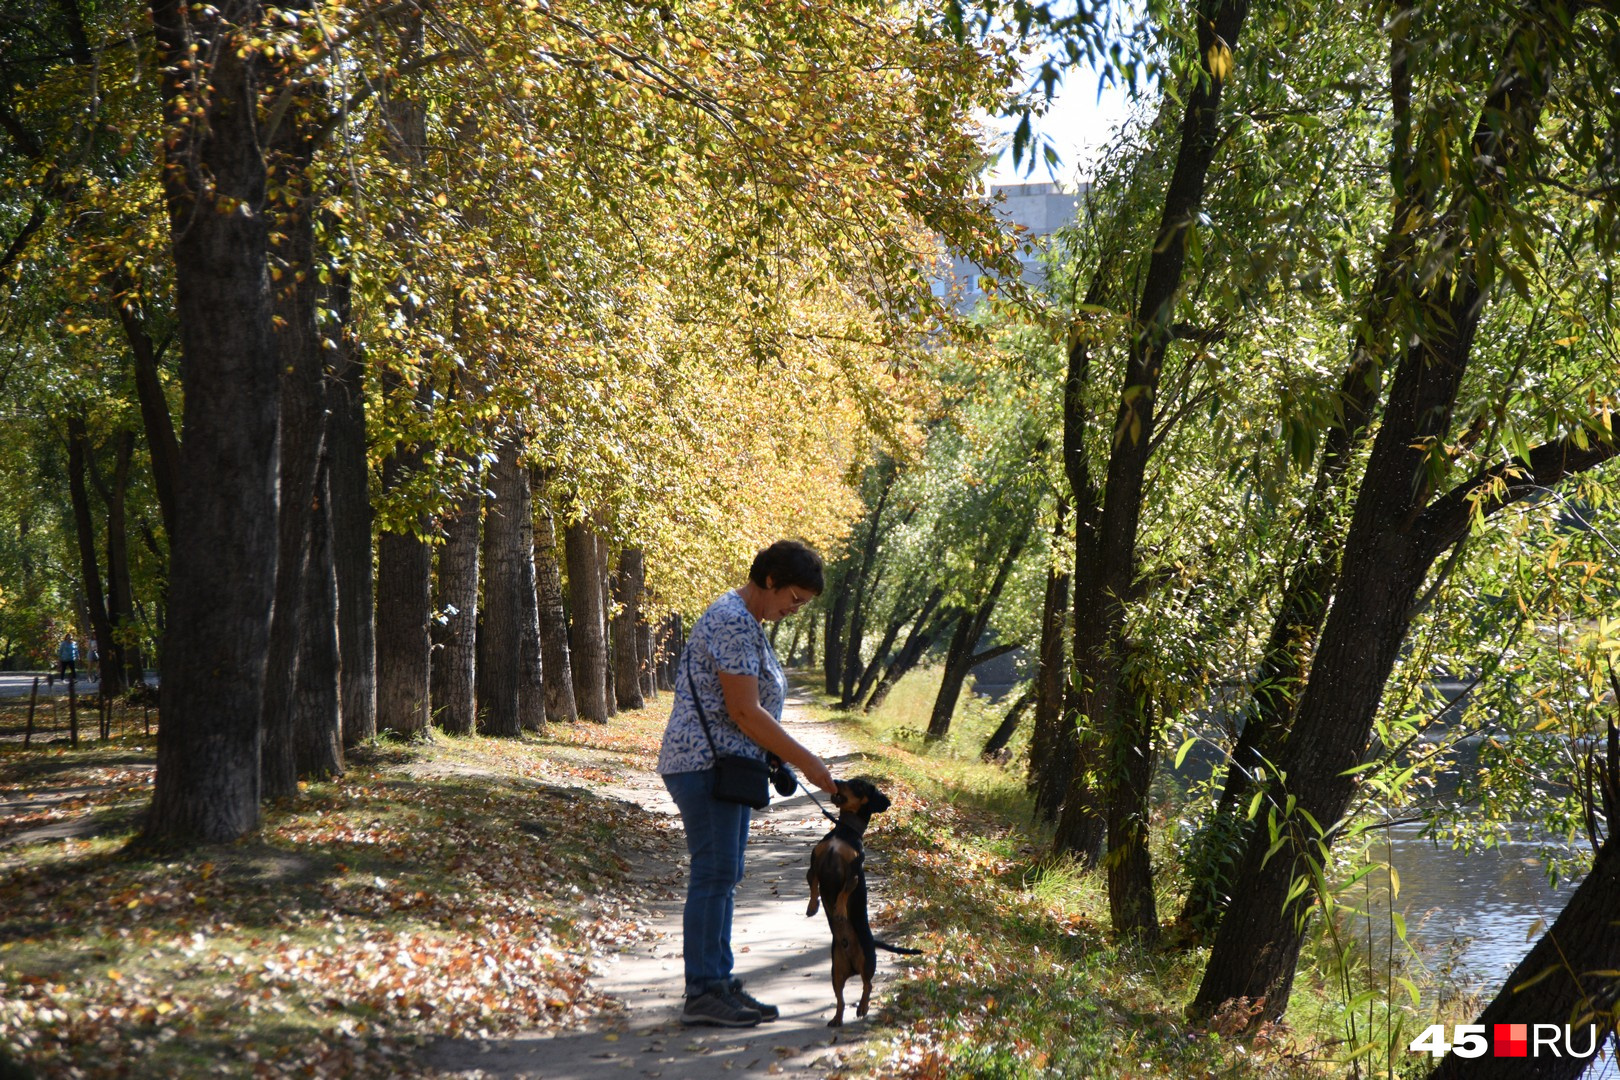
[367, 916]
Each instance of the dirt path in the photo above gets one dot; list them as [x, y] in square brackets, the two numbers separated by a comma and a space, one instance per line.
[782, 955]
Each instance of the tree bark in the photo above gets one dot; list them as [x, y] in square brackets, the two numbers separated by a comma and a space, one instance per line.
[223, 569]
[404, 601]
[349, 492]
[1397, 531]
[317, 708]
[857, 621]
[161, 443]
[1004, 732]
[644, 657]
[509, 593]
[531, 674]
[79, 451]
[128, 667]
[1048, 775]
[455, 645]
[604, 564]
[586, 637]
[922, 636]
[627, 585]
[832, 651]
[299, 354]
[961, 658]
[669, 650]
[555, 662]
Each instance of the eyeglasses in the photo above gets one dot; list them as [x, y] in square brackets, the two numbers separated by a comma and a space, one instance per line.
[795, 599]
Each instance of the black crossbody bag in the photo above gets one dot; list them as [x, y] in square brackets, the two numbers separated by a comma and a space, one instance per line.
[737, 779]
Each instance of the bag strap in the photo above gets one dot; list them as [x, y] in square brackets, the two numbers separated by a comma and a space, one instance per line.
[686, 668]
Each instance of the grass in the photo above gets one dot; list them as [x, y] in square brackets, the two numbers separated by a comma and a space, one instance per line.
[441, 888]
[1021, 977]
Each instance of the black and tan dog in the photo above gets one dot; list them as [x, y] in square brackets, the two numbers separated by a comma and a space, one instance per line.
[837, 872]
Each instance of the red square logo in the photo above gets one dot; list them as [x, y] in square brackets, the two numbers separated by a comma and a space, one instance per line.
[1511, 1040]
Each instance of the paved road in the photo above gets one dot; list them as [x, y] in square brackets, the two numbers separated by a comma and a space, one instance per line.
[17, 683]
[782, 954]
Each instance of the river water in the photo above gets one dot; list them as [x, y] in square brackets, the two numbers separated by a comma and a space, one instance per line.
[1471, 915]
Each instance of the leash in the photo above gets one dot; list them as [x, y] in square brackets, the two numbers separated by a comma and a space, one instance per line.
[812, 795]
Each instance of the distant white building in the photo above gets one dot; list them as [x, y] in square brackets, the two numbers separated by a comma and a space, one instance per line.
[1042, 209]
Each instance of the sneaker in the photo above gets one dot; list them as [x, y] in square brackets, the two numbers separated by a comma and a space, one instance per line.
[767, 1013]
[719, 1008]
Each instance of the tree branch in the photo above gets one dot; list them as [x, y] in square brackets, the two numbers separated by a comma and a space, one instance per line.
[1447, 519]
[990, 654]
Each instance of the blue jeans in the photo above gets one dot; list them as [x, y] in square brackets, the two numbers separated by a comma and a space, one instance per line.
[716, 835]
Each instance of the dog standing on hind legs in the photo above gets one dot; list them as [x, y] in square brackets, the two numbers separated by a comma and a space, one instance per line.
[838, 876]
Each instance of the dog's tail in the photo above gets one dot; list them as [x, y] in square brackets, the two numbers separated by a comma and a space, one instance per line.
[901, 949]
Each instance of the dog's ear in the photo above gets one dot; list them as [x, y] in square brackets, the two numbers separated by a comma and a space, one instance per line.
[877, 802]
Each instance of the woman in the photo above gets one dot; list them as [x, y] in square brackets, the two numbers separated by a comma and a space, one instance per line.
[730, 677]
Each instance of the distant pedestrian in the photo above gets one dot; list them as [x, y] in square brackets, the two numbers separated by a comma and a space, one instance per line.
[67, 658]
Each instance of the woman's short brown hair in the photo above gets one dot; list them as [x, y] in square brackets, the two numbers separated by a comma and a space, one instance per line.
[788, 562]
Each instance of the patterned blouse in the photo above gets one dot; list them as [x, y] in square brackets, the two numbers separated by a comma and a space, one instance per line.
[725, 638]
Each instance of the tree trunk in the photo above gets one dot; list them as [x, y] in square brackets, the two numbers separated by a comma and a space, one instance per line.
[1567, 978]
[349, 491]
[509, 594]
[586, 637]
[1048, 776]
[863, 575]
[1072, 792]
[1004, 732]
[644, 657]
[922, 637]
[79, 451]
[404, 560]
[404, 600]
[1309, 587]
[161, 443]
[223, 569]
[950, 684]
[669, 651]
[961, 658]
[555, 662]
[627, 585]
[832, 666]
[299, 354]
[531, 672]
[793, 648]
[1397, 531]
[317, 710]
[127, 666]
[904, 614]
[604, 563]
[455, 652]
